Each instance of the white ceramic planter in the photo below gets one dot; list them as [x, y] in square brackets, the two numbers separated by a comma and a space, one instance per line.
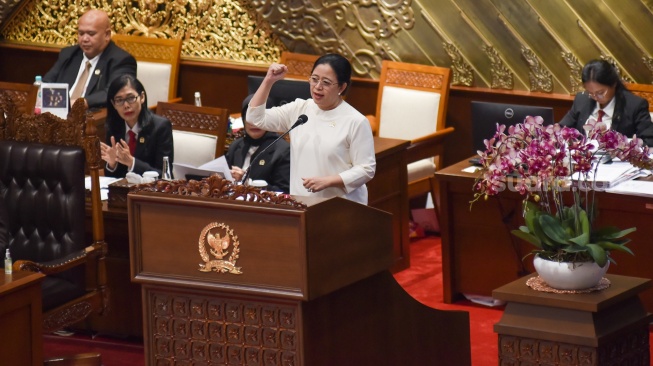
[569, 276]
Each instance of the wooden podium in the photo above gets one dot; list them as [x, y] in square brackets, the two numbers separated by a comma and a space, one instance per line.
[246, 283]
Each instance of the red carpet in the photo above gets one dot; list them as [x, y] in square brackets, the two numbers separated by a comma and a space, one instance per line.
[423, 281]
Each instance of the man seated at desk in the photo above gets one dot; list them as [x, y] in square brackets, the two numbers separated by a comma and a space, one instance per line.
[90, 66]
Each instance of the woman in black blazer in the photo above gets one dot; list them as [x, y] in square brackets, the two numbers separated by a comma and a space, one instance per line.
[137, 139]
[272, 166]
[604, 93]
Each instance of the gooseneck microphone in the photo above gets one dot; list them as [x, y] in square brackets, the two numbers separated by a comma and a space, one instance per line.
[300, 121]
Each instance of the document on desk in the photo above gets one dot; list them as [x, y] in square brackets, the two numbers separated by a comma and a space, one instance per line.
[608, 175]
[634, 187]
[219, 165]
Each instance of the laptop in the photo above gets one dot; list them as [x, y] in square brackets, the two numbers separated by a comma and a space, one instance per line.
[486, 115]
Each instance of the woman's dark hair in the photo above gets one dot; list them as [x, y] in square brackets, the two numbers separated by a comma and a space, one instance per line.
[340, 66]
[602, 72]
[145, 117]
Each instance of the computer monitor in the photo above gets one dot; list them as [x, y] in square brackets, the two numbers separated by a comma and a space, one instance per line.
[486, 115]
[283, 91]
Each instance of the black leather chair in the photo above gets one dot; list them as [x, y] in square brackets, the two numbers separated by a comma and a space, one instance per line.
[43, 160]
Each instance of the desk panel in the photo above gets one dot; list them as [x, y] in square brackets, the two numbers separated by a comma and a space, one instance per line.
[479, 254]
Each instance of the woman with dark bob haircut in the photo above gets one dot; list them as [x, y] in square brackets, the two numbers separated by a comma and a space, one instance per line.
[137, 139]
[333, 153]
[606, 100]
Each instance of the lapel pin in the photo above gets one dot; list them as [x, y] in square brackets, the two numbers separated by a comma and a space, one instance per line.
[261, 162]
[97, 71]
[141, 140]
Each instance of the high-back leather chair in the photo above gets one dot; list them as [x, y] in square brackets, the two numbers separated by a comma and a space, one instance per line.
[22, 95]
[199, 133]
[157, 65]
[42, 174]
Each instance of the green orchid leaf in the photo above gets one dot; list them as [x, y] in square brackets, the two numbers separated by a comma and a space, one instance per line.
[538, 231]
[611, 232]
[527, 237]
[606, 245]
[553, 229]
[598, 254]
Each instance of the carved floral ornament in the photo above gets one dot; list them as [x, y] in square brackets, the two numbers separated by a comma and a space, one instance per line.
[225, 30]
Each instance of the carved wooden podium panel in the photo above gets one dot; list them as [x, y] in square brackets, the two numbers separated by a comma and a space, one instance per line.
[229, 282]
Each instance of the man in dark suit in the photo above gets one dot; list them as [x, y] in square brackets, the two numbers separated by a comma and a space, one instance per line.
[606, 99]
[90, 66]
[273, 166]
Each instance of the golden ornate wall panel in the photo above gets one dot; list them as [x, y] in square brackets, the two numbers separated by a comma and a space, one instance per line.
[212, 30]
[531, 45]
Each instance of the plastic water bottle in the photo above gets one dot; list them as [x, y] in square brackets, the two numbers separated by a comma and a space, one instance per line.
[198, 99]
[39, 95]
[8, 262]
[166, 174]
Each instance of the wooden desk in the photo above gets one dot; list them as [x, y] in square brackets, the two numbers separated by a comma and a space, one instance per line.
[608, 327]
[21, 340]
[387, 192]
[479, 254]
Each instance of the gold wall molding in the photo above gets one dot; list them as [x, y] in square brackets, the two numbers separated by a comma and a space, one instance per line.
[450, 33]
[214, 30]
[540, 78]
[462, 72]
[359, 30]
[501, 75]
[575, 69]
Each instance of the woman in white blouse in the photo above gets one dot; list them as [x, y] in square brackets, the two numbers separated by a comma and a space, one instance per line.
[331, 155]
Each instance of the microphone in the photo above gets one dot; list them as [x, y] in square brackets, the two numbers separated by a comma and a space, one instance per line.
[300, 121]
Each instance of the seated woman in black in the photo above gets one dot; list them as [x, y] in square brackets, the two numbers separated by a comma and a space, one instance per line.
[137, 139]
[273, 166]
[606, 100]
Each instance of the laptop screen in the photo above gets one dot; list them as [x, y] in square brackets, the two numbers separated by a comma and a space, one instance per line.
[283, 91]
[486, 115]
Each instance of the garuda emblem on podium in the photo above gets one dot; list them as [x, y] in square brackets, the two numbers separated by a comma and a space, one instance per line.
[222, 243]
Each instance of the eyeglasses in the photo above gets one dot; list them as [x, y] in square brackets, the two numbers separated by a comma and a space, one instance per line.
[326, 84]
[122, 101]
[598, 95]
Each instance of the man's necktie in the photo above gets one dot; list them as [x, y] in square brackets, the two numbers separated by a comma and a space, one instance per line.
[81, 83]
[132, 142]
[601, 114]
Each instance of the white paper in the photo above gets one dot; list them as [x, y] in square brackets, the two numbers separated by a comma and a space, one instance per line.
[634, 187]
[609, 175]
[104, 185]
[55, 99]
[218, 165]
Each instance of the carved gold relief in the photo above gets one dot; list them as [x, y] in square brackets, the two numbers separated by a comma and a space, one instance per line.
[574, 72]
[224, 30]
[614, 63]
[461, 70]
[539, 77]
[358, 30]
[502, 77]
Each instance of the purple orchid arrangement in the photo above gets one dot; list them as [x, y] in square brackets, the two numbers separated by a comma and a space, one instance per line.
[539, 161]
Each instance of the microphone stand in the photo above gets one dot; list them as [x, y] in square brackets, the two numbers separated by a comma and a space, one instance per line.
[246, 175]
